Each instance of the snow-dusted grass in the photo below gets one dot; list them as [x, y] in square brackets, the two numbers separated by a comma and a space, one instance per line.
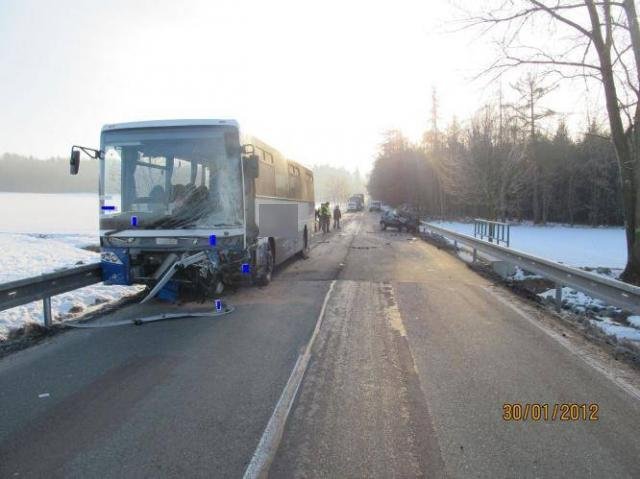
[578, 246]
[44, 233]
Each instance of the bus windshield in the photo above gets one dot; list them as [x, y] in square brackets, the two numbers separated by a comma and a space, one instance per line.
[171, 178]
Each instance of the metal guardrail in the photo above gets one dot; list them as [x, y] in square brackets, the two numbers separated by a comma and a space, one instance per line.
[44, 286]
[492, 230]
[613, 292]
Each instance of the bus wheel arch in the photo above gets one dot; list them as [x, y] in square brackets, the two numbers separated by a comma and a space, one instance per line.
[264, 261]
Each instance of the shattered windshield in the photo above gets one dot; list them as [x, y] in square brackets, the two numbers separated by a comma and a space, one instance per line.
[171, 178]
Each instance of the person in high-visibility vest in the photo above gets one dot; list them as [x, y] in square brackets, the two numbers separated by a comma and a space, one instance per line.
[325, 217]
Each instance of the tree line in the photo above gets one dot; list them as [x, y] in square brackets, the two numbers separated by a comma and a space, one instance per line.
[496, 166]
[26, 174]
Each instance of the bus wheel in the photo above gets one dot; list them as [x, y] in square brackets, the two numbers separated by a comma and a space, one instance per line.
[304, 253]
[264, 277]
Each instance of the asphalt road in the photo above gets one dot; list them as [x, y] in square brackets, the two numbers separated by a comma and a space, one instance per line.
[408, 374]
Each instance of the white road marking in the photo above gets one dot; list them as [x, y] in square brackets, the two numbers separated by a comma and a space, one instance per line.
[270, 440]
[620, 382]
[44, 395]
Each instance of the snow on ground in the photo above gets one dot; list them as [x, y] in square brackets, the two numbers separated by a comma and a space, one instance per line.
[580, 303]
[612, 328]
[43, 233]
[634, 321]
[521, 275]
[577, 301]
[578, 246]
[26, 255]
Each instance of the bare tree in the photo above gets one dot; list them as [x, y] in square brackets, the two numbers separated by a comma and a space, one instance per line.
[594, 41]
[531, 91]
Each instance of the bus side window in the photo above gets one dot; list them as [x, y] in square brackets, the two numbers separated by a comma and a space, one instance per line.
[266, 181]
[306, 194]
[294, 182]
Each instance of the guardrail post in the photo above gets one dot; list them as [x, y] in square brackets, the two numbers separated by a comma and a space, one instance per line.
[46, 310]
[455, 244]
[475, 254]
[558, 297]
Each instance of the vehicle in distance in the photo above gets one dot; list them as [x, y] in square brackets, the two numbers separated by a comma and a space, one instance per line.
[185, 205]
[375, 205]
[357, 201]
[353, 205]
[400, 220]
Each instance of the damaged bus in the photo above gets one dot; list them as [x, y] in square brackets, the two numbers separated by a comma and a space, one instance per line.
[191, 206]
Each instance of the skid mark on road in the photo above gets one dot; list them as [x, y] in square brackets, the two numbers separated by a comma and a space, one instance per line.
[361, 397]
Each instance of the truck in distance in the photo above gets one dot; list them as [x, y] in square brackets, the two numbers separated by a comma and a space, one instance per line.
[356, 203]
[375, 205]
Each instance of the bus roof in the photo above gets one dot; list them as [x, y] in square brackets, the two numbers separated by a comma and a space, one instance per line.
[167, 123]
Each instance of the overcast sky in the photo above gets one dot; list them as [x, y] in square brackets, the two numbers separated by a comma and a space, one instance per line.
[320, 81]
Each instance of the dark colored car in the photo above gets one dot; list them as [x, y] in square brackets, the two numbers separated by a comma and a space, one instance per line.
[399, 220]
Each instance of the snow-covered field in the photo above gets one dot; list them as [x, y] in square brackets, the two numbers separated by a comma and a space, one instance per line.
[75, 213]
[40, 233]
[578, 246]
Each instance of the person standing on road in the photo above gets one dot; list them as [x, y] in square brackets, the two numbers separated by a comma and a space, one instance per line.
[337, 215]
[325, 217]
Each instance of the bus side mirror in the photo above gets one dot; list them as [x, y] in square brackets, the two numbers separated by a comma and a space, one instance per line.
[251, 166]
[74, 163]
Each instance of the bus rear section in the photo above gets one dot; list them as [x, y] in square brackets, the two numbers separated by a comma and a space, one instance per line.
[284, 201]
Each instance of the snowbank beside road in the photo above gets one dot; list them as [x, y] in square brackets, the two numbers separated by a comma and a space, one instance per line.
[26, 255]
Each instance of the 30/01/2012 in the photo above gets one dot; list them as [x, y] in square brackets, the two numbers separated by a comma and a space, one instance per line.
[550, 412]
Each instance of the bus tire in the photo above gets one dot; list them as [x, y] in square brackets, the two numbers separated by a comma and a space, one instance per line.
[265, 275]
[304, 252]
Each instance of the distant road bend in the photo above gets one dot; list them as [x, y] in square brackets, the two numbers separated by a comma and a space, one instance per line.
[408, 358]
